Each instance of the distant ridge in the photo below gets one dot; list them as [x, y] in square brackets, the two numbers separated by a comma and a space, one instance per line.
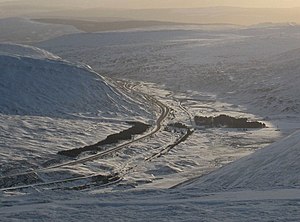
[95, 26]
[209, 15]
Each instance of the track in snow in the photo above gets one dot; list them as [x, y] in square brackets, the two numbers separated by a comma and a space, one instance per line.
[165, 110]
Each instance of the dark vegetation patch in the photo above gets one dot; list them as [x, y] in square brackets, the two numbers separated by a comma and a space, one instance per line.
[136, 129]
[19, 180]
[178, 125]
[227, 122]
[98, 180]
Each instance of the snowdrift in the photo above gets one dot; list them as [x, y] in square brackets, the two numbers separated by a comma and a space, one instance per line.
[35, 82]
[276, 166]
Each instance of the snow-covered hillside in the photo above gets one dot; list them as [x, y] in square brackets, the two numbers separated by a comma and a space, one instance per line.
[11, 49]
[23, 30]
[34, 82]
[48, 105]
[234, 64]
[274, 167]
[224, 195]
[270, 86]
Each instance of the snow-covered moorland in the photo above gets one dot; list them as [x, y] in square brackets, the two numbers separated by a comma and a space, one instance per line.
[248, 72]
[261, 187]
[48, 104]
[253, 66]
[24, 30]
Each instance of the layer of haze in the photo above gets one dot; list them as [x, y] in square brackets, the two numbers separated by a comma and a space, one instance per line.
[240, 12]
[134, 4]
[196, 3]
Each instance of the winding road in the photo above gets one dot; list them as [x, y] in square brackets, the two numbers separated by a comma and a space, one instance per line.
[164, 112]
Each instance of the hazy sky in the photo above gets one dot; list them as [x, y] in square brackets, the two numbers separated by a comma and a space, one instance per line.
[173, 3]
[199, 3]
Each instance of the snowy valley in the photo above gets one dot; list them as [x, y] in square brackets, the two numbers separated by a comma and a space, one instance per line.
[130, 98]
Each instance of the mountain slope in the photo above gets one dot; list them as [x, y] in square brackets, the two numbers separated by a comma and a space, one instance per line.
[276, 166]
[11, 49]
[42, 84]
[48, 105]
[273, 86]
